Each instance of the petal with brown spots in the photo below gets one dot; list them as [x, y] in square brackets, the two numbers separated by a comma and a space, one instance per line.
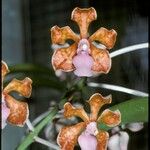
[83, 17]
[70, 111]
[110, 118]
[18, 111]
[60, 35]
[23, 87]
[68, 136]
[62, 58]
[96, 101]
[102, 60]
[102, 138]
[5, 70]
[105, 37]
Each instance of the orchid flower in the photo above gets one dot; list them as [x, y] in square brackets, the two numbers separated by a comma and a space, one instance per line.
[83, 57]
[86, 132]
[119, 139]
[13, 111]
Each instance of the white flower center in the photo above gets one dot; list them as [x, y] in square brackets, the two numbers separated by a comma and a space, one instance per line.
[84, 47]
[92, 128]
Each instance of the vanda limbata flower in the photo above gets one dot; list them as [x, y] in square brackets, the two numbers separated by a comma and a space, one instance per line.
[119, 138]
[83, 57]
[86, 132]
[14, 111]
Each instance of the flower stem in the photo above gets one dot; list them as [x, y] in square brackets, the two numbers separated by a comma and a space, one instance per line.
[128, 49]
[30, 137]
[46, 143]
[29, 124]
[118, 88]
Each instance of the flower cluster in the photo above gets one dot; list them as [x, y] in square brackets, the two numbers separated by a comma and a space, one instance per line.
[83, 57]
[86, 59]
[87, 130]
[14, 111]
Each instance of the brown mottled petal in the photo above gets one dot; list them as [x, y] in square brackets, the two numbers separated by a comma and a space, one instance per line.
[83, 17]
[19, 111]
[68, 136]
[96, 101]
[70, 111]
[102, 60]
[110, 118]
[60, 35]
[23, 87]
[105, 37]
[5, 69]
[62, 58]
[102, 138]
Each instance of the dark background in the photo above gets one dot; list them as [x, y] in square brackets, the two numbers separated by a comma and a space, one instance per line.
[26, 39]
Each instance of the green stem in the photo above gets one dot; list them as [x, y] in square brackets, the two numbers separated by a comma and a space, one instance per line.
[30, 137]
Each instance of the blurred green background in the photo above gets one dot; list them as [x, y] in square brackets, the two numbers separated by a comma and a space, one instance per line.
[26, 40]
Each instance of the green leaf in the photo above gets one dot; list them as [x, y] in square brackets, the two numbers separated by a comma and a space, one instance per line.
[40, 81]
[30, 137]
[41, 75]
[48, 82]
[28, 67]
[135, 110]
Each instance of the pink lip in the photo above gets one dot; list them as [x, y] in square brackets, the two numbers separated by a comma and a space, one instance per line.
[83, 62]
[5, 113]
